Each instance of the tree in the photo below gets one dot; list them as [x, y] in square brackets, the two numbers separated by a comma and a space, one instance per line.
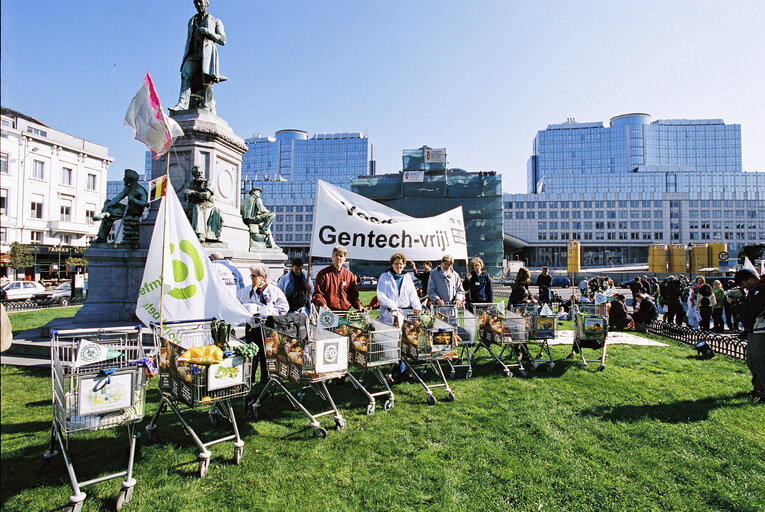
[753, 252]
[21, 256]
[71, 261]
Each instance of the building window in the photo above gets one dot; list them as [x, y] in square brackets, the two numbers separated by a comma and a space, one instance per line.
[3, 235]
[41, 133]
[38, 169]
[36, 207]
[36, 237]
[91, 182]
[66, 239]
[90, 211]
[66, 176]
[3, 201]
[658, 235]
[66, 210]
[3, 163]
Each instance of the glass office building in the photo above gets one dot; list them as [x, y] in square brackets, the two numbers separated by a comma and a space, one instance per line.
[287, 167]
[621, 188]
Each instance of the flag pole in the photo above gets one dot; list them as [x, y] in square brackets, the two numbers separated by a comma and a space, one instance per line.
[164, 238]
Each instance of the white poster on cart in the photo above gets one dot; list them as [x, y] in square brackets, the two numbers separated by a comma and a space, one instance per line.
[372, 231]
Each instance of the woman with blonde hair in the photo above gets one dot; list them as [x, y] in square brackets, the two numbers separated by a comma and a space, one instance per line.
[479, 289]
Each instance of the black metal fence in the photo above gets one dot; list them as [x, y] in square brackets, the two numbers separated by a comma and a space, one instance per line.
[12, 306]
[730, 345]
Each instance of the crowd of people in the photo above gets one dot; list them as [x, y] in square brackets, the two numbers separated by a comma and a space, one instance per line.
[740, 307]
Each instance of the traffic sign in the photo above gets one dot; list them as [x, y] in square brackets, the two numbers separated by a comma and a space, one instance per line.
[723, 256]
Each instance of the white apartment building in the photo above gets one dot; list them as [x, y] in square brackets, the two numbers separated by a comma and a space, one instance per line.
[51, 185]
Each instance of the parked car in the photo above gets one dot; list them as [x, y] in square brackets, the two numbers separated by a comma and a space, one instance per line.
[21, 290]
[61, 294]
[561, 282]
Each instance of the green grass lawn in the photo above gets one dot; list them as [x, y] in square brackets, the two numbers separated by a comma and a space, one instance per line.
[657, 430]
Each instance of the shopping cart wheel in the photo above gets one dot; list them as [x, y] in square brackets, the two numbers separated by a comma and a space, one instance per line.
[452, 375]
[74, 507]
[213, 414]
[601, 367]
[449, 396]
[508, 373]
[431, 400]
[468, 374]
[152, 434]
[388, 405]
[238, 454]
[549, 369]
[124, 497]
[204, 465]
[583, 366]
[340, 423]
[370, 409]
[319, 432]
[254, 411]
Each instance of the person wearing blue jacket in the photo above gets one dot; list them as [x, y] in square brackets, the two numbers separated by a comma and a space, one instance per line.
[479, 288]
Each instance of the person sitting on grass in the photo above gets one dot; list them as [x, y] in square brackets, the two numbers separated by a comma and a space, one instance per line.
[618, 318]
[645, 312]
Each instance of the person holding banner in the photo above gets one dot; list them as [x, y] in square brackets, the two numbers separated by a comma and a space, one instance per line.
[335, 287]
[396, 291]
[261, 299]
[445, 285]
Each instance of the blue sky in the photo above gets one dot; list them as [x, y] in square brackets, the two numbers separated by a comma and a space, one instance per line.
[479, 78]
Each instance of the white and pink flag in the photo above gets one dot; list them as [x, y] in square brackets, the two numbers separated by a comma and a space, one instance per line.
[149, 123]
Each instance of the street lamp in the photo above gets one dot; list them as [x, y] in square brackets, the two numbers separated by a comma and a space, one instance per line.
[690, 256]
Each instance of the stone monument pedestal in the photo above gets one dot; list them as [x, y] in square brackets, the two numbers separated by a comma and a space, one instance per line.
[115, 274]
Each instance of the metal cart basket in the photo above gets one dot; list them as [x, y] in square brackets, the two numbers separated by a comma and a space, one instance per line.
[426, 339]
[508, 330]
[196, 385]
[590, 331]
[309, 363]
[542, 328]
[464, 321]
[371, 346]
[104, 393]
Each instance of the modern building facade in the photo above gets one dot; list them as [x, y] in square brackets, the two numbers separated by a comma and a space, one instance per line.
[51, 185]
[620, 188]
[287, 167]
[433, 192]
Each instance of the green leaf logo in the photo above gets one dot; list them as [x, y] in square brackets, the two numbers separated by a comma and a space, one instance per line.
[181, 270]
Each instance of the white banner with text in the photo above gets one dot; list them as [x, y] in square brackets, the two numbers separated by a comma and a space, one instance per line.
[372, 231]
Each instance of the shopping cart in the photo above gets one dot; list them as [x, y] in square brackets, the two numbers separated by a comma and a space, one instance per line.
[464, 321]
[197, 385]
[104, 393]
[371, 346]
[590, 331]
[542, 327]
[508, 330]
[428, 340]
[308, 362]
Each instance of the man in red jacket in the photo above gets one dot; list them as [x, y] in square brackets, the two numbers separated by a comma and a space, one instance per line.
[335, 286]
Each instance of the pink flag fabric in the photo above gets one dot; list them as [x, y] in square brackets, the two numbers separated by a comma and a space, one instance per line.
[149, 123]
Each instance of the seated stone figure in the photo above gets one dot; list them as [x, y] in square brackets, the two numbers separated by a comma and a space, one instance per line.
[258, 220]
[200, 208]
[129, 214]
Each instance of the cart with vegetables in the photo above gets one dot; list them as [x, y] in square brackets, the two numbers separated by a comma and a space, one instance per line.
[590, 331]
[542, 326]
[98, 381]
[306, 356]
[372, 345]
[465, 323]
[201, 365]
[427, 340]
[507, 330]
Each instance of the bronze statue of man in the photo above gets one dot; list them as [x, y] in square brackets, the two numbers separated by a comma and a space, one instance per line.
[258, 220]
[203, 215]
[129, 214]
[199, 68]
